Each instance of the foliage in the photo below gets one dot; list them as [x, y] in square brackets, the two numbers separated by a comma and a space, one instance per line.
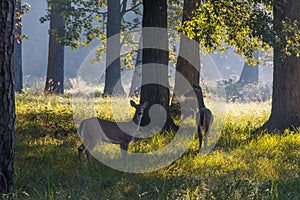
[240, 92]
[80, 16]
[245, 25]
[88, 19]
[239, 167]
[21, 9]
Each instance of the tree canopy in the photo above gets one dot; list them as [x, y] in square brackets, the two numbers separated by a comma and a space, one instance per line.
[246, 25]
[88, 19]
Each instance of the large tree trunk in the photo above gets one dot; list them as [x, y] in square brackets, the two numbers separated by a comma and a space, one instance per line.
[188, 62]
[155, 84]
[113, 84]
[55, 69]
[249, 73]
[7, 105]
[18, 73]
[286, 83]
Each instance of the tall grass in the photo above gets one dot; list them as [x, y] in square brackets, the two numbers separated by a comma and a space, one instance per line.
[240, 166]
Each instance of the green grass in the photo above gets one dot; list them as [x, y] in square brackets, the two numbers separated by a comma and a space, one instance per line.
[240, 166]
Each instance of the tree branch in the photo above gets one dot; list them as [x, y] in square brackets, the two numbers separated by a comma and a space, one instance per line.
[123, 9]
[132, 8]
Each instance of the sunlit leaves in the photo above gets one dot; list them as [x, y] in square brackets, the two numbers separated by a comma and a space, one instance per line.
[21, 9]
[86, 21]
[220, 24]
[245, 25]
[83, 19]
[290, 37]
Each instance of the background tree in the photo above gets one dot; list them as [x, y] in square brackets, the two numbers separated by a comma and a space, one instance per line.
[250, 73]
[90, 20]
[7, 105]
[18, 72]
[113, 64]
[155, 61]
[137, 73]
[55, 68]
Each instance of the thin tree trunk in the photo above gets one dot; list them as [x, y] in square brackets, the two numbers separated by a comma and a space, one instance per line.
[136, 81]
[285, 111]
[7, 105]
[55, 69]
[18, 73]
[155, 84]
[113, 84]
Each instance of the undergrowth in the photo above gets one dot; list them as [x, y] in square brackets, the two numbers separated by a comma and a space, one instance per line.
[239, 166]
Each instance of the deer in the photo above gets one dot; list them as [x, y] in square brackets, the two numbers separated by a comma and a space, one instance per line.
[93, 130]
[204, 116]
[204, 120]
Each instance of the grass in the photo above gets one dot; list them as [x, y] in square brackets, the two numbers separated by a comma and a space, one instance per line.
[238, 167]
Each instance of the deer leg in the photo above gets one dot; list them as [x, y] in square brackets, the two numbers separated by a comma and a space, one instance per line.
[80, 150]
[124, 150]
[209, 122]
[88, 156]
[207, 130]
[205, 137]
[200, 136]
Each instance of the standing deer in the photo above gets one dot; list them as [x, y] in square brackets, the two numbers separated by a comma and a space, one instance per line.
[204, 120]
[204, 116]
[94, 130]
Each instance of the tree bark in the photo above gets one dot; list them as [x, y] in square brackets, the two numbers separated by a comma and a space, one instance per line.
[113, 84]
[285, 111]
[55, 69]
[7, 105]
[137, 73]
[188, 61]
[18, 73]
[155, 83]
[250, 73]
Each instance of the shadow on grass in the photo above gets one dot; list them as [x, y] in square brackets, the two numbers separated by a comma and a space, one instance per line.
[49, 169]
[47, 122]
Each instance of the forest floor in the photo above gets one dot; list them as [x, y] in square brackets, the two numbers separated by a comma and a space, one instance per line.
[239, 166]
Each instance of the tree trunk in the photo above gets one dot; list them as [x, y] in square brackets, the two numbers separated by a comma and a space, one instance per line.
[113, 84]
[250, 73]
[55, 69]
[18, 73]
[155, 84]
[188, 62]
[7, 105]
[137, 73]
[285, 111]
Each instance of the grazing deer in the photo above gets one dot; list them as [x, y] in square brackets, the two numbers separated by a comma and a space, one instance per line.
[204, 116]
[94, 130]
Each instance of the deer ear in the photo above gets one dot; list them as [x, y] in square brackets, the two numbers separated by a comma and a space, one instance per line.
[132, 103]
[145, 104]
